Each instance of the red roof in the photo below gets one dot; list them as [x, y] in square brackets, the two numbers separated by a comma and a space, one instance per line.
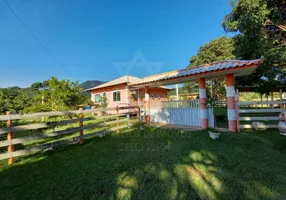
[201, 69]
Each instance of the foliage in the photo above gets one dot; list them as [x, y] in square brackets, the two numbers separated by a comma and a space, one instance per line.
[190, 87]
[216, 50]
[15, 99]
[257, 24]
[250, 96]
[49, 95]
[40, 85]
[59, 95]
[104, 101]
[185, 89]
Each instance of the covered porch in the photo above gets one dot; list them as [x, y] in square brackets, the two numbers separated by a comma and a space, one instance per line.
[228, 69]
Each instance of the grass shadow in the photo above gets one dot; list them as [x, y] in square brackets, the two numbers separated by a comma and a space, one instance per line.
[153, 164]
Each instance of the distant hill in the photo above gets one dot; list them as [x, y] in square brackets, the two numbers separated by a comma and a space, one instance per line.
[90, 84]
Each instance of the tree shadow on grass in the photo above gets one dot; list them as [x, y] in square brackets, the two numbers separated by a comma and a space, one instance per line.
[153, 164]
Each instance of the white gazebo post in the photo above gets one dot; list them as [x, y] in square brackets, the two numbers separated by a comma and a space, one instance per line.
[203, 103]
[231, 107]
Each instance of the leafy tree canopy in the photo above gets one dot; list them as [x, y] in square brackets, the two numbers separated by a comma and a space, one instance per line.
[216, 50]
[260, 31]
[49, 95]
[15, 99]
[58, 95]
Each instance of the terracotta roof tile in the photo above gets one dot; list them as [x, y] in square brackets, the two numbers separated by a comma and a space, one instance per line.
[205, 68]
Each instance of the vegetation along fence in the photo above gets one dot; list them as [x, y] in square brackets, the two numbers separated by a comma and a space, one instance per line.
[32, 135]
[266, 113]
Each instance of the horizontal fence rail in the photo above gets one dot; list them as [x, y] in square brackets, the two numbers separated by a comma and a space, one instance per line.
[261, 117]
[263, 126]
[108, 123]
[261, 102]
[261, 110]
[61, 113]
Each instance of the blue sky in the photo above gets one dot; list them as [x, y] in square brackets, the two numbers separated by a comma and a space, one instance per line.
[89, 37]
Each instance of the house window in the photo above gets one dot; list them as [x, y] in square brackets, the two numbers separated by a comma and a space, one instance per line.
[116, 96]
[97, 98]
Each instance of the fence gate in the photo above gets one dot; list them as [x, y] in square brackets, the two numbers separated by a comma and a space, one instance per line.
[183, 112]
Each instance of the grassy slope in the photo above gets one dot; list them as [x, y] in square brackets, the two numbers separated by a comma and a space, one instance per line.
[160, 164]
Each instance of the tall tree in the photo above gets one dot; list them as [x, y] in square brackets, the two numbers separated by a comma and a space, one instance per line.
[15, 99]
[258, 25]
[37, 85]
[216, 50]
[58, 95]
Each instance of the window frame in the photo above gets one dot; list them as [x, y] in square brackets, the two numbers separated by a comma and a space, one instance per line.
[116, 99]
[97, 95]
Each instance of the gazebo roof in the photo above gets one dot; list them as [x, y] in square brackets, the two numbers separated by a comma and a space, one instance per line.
[212, 70]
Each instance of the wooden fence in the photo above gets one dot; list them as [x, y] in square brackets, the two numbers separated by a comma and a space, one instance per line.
[111, 123]
[267, 113]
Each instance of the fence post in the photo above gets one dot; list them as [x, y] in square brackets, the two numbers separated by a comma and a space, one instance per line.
[237, 110]
[117, 112]
[81, 140]
[139, 113]
[9, 137]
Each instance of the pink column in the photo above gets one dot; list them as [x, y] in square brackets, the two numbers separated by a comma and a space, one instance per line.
[203, 103]
[147, 106]
[231, 107]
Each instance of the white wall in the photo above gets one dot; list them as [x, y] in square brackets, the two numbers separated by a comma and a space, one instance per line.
[183, 116]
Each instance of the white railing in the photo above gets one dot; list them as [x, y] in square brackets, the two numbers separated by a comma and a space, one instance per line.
[181, 104]
[257, 112]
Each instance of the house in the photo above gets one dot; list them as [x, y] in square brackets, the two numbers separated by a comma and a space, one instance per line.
[118, 92]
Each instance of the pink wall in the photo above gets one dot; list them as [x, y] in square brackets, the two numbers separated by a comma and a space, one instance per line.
[156, 95]
[109, 94]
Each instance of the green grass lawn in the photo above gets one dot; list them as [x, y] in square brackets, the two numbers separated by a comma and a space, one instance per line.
[154, 164]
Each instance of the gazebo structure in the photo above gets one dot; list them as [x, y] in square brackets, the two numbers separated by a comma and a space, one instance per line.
[228, 69]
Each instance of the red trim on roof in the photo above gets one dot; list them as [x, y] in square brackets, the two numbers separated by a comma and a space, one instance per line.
[218, 67]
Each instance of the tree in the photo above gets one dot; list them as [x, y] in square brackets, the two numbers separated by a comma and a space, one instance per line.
[15, 99]
[216, 50]
[59, 95]
[2, 101]
[258, 25]
[37, 85]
